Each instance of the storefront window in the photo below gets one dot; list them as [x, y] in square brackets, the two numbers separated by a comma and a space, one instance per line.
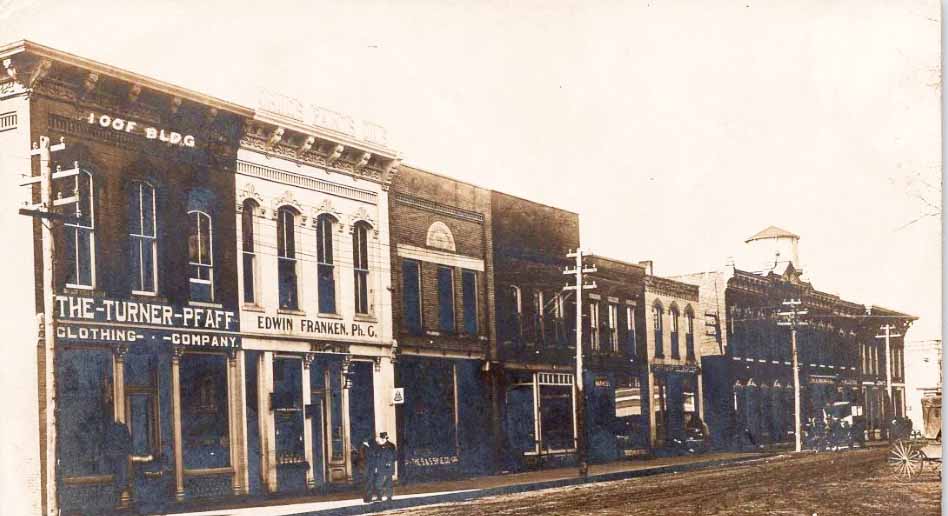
[429, 409]
[85, 410]
[204, 414]
[556, 416]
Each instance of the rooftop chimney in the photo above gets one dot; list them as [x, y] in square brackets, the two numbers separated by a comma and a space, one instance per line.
[649, 267]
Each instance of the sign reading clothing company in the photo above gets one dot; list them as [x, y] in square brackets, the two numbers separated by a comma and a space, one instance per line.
[90, 319]
[315, 327]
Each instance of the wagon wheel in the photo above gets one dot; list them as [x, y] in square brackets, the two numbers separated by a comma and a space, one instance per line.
[905, 461]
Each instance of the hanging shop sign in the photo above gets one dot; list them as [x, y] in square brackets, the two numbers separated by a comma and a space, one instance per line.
[90, 319]
[124, 125]
[398, 396]
[288, 325]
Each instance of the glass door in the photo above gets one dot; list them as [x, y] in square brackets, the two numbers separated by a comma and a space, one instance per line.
[288, 421]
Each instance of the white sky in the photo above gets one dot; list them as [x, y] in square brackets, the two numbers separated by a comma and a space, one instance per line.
[675, 129]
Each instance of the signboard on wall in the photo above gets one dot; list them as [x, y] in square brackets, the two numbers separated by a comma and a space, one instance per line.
[309, 327]
[398, 396]
[96, 319]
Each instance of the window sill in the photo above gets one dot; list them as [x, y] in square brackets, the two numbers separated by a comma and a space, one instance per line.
[290, 311]
[85, 288]
[205, 304]
[150, 297]
[364, 318]
[329, 315]
[252, 308]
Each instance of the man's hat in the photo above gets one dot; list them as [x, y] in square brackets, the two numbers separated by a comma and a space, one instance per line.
[383, 435]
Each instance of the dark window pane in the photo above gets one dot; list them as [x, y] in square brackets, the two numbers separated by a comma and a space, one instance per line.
[327, 289]
[445, 299]
[469, 300]
[411, 296]
[135, 260]
[84, 405]
[360, 256]
[249, 279]
[246, 225]
[324, 239]
[69, 254]
[83, 256]
[134, 209]
[148, 266]
[287, 279]
[201, 291]
[362, 292]
[204, 416]
[148, 210]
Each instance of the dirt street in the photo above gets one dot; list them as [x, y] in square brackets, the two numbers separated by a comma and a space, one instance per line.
[845, 483]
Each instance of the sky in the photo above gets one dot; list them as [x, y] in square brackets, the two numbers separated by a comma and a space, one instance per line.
[675, 129]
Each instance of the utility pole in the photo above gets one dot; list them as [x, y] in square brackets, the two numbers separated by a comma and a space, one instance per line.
[44, 211]
[578, 392]
[887, 328]
[792, 319]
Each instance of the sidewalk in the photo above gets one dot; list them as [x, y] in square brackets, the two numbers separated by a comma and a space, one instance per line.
[416, 494]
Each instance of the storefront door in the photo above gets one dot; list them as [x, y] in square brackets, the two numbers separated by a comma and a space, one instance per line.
[288, 420]
[151, 471]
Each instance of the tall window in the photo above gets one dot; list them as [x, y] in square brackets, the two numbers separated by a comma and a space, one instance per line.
[675, 353]
[286, 258]
[594, 325]
[559, 320]
[630, 330]
[516, 313]
[614, 327]
[247, 251]
[80, 237]
[411, 296]
[539, 322]
[325, 268]
[200, 256]
[143, 237]
[657, 314]
[445, 299]
[689, 334]
[469, 301]
[360, 266]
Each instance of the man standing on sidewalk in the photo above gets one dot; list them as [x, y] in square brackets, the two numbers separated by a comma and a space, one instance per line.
[386, 466]
[369, 451]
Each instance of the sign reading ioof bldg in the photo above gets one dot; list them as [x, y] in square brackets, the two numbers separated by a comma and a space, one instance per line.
[91, 319]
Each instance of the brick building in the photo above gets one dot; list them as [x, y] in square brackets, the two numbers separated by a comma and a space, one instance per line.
[144, 291]
[442, 305]
[747, 358]
[674, 381]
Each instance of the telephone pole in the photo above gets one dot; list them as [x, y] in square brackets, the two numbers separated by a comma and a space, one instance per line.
[887, 328]
[792, 319]
[44, 212]
[578, 393]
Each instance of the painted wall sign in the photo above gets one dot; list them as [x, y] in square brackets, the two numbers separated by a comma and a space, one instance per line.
[128, 126]
[92, 319]
[317, 327]
[675, 368]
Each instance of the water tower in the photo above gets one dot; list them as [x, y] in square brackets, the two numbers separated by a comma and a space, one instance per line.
[772, 250]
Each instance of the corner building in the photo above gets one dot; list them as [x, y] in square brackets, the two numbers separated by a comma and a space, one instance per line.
[144, 299]
[312, 233]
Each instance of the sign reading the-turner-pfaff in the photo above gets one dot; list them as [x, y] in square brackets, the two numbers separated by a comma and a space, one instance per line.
[91, 319]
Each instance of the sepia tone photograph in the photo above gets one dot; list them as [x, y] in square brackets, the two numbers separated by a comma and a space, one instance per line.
[466, 257]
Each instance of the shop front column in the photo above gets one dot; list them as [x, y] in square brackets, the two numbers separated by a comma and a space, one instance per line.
[346, 444]
[307, 421]
[176, 423]
[235, 415]
[118, 403]
[265, 420]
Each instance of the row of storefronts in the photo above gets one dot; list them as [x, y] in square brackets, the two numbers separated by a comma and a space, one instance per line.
[244, 297]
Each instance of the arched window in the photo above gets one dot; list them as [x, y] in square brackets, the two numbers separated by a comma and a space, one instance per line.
[143, 238]
[248, 255]
[200, 256]
[286, 258]
[689, 333]
[325, 268]
[673, 313]
[79, 253]
[657, 314]
[360, 266]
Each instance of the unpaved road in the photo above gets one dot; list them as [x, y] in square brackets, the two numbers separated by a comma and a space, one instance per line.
[852, 483]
